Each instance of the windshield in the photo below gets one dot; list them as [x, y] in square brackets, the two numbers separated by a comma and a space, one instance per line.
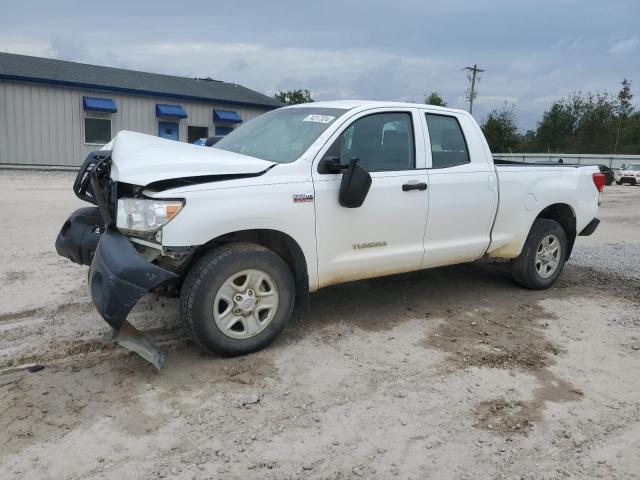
[282, 135]
[632, 167]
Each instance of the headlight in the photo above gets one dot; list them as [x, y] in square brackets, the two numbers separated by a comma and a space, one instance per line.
[137, 215]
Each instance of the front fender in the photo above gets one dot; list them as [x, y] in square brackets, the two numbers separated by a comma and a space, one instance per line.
[209, 214]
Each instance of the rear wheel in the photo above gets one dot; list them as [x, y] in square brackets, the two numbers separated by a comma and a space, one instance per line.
[543, 255]
[237, 299]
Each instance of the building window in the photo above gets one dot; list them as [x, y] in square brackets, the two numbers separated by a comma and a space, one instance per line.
[223, 130]
[196, 133]
[97, 131]
[169, 130]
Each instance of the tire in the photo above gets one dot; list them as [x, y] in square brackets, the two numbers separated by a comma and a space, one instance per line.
[536, 267]
[618, 183]
[232, 271]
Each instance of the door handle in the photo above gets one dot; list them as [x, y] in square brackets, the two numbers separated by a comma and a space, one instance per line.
[414, 186]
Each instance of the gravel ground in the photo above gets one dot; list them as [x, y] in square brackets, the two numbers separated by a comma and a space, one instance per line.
[448, 373]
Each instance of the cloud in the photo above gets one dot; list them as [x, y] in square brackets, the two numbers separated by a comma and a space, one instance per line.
[238, 65]
[68, 48]
[531, 52]
[495, 100]
[625, 47]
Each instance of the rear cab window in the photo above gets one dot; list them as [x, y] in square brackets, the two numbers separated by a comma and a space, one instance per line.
[448, 144]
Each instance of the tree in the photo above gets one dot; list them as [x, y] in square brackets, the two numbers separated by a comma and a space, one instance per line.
[500, 130]
[293, 97]
[558, 125]
[630, 135]
[624, 109]
[435, 99]
[580, 123]
[596, 131]
[624, 99]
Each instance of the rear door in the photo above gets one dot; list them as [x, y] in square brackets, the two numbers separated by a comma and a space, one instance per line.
[463, 192]
[385, 235]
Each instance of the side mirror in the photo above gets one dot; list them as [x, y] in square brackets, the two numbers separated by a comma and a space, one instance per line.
[355, 185]
[331, 165]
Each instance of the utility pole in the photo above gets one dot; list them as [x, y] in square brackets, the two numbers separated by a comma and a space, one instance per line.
[472, 92]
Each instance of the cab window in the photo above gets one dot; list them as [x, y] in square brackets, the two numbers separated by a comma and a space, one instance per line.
[448, 145]
[382, 142]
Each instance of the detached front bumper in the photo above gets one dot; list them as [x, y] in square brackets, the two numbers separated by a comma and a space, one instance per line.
[118, 278]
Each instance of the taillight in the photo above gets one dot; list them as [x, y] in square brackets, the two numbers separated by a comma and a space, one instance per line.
[599, 180]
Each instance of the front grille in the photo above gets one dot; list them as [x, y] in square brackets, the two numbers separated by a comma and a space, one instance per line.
[82, 186]
[93, 184]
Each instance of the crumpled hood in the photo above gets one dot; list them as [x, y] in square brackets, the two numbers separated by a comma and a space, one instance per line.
[141, 159]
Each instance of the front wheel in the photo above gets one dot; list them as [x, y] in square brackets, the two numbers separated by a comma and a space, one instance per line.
[237, 299]
[543, 255]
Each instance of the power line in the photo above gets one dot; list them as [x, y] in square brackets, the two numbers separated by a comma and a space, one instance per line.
[472, 91]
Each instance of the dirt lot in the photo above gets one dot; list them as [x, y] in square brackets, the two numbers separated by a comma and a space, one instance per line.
[449, 373]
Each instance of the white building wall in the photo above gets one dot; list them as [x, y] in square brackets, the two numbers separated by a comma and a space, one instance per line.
[44, 125]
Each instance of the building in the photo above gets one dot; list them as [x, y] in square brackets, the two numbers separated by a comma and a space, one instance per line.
[55, 112]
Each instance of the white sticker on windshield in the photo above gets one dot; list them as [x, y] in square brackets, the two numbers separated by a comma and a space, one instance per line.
[318, 118]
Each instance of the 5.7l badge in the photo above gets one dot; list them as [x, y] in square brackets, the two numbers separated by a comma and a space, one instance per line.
[302, 197]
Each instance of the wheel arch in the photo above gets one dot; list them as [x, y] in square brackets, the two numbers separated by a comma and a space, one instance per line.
[277, 241]
[565, 216]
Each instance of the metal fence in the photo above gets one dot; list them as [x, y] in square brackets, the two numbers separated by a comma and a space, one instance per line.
[611, 161]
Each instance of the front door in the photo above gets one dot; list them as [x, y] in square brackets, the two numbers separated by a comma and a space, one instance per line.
[385, 235]
[168, 130]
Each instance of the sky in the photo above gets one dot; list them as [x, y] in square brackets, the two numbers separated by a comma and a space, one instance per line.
[533, 52]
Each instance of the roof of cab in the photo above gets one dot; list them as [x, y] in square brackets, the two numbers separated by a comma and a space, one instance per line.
[366, 104]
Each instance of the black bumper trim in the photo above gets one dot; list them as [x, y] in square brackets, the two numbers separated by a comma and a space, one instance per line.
[590, 228]
[120, 276]
[79, 235]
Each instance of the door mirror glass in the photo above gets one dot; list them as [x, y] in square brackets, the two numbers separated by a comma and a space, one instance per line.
[355, 185]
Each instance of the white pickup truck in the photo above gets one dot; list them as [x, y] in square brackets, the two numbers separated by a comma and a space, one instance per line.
[309, 196]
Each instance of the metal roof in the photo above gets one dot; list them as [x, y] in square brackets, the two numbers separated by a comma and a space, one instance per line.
[94, 77]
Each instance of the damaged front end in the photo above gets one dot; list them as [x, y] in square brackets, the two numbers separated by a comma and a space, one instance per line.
[122, 268]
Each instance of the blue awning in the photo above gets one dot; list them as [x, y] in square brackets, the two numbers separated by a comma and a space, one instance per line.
[176, 111]
[99, 104]
[226, 116]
